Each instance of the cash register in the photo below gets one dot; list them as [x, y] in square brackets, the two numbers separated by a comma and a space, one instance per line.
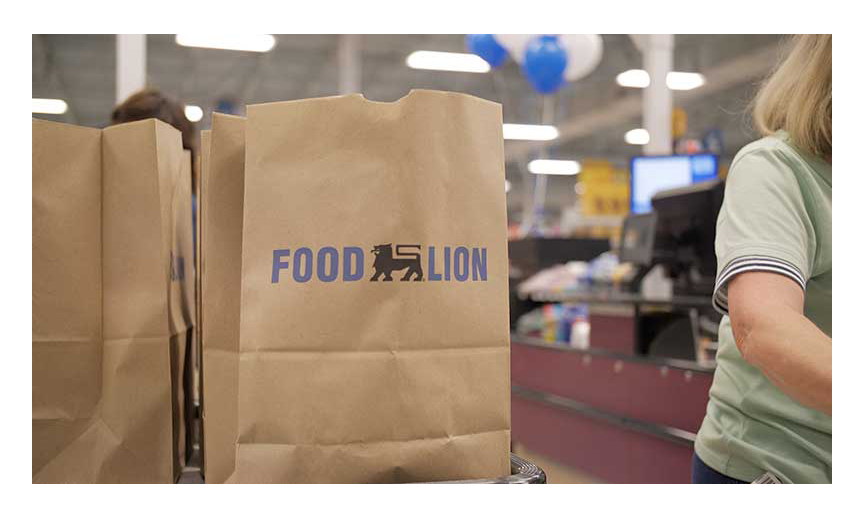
[675, 229]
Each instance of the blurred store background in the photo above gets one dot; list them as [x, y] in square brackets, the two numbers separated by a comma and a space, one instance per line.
[611, 252]
[593, 114]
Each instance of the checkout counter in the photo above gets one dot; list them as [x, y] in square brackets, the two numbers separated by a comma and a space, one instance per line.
[627, 408]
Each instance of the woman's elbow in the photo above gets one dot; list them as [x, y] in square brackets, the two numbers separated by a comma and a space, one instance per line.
[760, 305]
[743, 327]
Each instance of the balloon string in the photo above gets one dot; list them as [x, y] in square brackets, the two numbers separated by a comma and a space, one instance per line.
[532, 212]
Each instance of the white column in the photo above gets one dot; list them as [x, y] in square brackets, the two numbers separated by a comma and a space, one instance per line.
[657, 53]
[131, 64]
[349, 64]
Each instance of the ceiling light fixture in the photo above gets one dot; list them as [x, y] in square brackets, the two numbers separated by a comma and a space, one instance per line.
[634, 78]
[449, 61]
[529, 132]
[684, 80]
[49, 106]
[194, 113]
[241, 42]
[637, 137]
[557, 167]
[637, 78]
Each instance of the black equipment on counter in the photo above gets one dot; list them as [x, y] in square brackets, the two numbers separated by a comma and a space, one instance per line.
[678, 234]
[685, 232]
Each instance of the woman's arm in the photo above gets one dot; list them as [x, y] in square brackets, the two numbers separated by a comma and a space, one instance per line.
[772, 333]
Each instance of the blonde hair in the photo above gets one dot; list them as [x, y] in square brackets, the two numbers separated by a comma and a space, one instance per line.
[796, 97]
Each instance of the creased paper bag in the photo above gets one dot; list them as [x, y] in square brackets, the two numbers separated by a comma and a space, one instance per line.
[222, 207]
[111, 312]
[373, 338]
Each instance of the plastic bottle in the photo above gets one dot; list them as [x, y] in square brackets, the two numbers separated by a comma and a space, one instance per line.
[565, 324]
[551, 318]
[580, 328]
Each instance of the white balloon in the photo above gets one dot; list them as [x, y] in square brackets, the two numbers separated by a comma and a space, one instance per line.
[584, 52]
[515, 44]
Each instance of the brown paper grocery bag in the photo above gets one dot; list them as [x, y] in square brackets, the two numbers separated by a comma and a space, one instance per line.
[67, 309]
[108, 317]
[373, 342]
[182, 307]
[198, 395]
[222, 205]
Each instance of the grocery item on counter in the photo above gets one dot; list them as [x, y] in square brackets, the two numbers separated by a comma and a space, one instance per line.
[557, 323]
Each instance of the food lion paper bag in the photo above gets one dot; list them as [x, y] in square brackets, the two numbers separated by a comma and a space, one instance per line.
[181, 304]
[198, 390]
[222, 209]
[111, 313]
[373, 343]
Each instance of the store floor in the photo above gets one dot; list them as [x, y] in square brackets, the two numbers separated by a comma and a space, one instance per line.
[556, 473]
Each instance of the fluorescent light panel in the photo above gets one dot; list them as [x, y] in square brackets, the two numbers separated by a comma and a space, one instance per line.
[449, 61]
[634, 78]
[50, 106]
[529, 132]
[684, 80]
[637, 78]
[557, 167]
[637, 137]
[194, 113]
[242, 42]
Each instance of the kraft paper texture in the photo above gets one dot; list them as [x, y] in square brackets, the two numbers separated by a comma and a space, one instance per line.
[112, 302]
[198, 377]
[345, 376]
[222, 205]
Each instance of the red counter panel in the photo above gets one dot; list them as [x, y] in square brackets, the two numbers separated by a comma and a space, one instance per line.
[607, 452]
[649, 392]
[658, 393]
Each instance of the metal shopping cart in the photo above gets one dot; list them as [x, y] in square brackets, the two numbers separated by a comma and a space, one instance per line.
[521, 472]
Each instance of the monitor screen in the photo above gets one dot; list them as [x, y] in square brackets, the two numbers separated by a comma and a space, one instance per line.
[650, 174]
[637, 239]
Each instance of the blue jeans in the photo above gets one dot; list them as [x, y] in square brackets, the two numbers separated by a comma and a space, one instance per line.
[705, 474]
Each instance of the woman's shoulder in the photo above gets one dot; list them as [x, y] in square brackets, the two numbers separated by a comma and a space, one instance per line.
[778, 154]
[776, 145]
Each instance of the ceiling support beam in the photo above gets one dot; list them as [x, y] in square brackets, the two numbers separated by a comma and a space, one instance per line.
[131, 64]
[349, 64]
[657, 97]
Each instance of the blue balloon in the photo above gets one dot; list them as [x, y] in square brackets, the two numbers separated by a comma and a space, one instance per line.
[487, 47]
[544, 64]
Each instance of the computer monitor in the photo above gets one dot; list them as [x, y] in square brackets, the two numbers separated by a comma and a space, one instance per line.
[637, 239]
[651, 174]
[685, 231]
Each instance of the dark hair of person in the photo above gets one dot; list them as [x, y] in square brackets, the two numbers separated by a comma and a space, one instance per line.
[150, 103]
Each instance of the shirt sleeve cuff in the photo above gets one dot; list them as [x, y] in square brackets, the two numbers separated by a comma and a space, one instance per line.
[752, 263]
